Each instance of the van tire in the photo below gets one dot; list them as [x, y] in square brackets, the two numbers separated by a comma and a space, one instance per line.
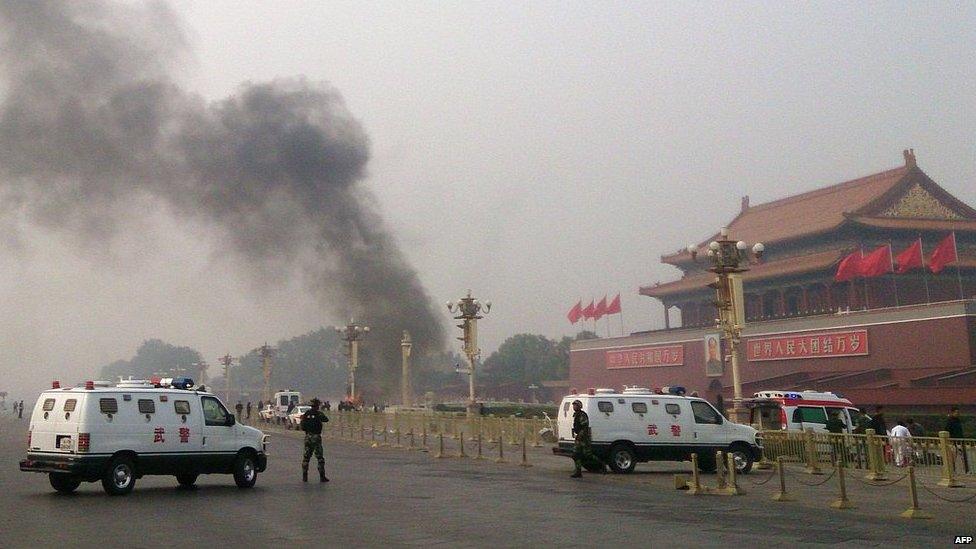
[187, 480]
[64, 484]
[245, 470]
[742, 457]
[120, 477]
[623, 459]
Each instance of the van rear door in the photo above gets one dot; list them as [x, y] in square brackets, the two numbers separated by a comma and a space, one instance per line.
[54, 423]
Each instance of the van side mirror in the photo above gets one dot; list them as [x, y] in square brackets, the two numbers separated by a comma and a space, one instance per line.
[231, 420]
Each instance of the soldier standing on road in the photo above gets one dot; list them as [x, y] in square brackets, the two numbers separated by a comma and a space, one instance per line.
[239, 408]
[954, 426]
[248, 410]
[311, 423]
[582, 450]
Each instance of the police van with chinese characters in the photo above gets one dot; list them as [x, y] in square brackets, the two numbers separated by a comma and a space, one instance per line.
[117, 434]
[640, 425]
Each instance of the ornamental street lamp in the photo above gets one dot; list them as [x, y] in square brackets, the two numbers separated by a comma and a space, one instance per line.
[729, 259]
[468, 310]
[352, 334]
[267, 352]
[406, 345]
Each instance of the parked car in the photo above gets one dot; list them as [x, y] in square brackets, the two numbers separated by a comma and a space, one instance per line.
[295, 417]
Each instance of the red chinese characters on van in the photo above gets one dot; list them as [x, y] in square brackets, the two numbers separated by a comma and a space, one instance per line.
[814, 345]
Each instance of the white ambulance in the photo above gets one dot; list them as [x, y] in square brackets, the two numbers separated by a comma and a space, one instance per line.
[641, 425]
[802, 410]
[283, 401]
[119, 433]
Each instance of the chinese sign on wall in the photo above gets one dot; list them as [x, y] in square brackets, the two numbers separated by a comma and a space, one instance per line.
[646, 357]
[817, 345]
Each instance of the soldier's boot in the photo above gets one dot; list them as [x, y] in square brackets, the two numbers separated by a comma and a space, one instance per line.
[305, 473]
[578, 472]
[322, 477]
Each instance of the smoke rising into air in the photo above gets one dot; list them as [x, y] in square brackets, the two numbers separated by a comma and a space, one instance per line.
[91, 122]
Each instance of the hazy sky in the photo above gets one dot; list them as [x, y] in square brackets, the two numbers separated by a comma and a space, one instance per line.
[533, 153]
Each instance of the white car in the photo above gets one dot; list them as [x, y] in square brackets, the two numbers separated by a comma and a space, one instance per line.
[267, 413]
[117, 434]
[638, 425]
[295, 417]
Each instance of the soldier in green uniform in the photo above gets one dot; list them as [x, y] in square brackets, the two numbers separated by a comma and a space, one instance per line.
[311, 424]
[582, 450]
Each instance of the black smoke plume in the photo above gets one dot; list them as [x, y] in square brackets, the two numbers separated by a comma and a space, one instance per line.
[91, 122]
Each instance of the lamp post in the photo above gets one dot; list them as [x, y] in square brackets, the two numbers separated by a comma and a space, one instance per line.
[729, 259]
[352, 334]
[266, 354]
[202, 368]
[406, 393]
[226, 361]
[468, 310]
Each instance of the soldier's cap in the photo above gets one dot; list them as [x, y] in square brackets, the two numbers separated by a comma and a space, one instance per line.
[575, 402]
[315, 403]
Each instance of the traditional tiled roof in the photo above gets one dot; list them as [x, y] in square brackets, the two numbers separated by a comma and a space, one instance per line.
[793, 265]
[915, 224]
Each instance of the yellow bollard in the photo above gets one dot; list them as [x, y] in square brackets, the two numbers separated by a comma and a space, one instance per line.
[440, 451]
[733, 487]
[461, 453]
[398, 445]
[492, 427]
[695, 488]
[914, 512]
[720, 470]
[781, 495]
[876, 466]
[842, 502]
[525, 457]
[479, 456]
[948, 452]
[501, 451]
[810, 445]
[535, 436]
[423, 435]
[411, 443]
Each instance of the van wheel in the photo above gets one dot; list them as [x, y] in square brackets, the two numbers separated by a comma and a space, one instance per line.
[622, 458]
[63, 483]
[742, 458]
[706, 463]
[245, 471]
[120, 477]
[187, 480]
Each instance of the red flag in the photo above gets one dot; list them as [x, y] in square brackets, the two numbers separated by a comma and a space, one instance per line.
[588, 311]
[614, 307]
[575, 313]
[849, 267]
[876, 263]
[943, 254]
[910, 258]
[601, 309]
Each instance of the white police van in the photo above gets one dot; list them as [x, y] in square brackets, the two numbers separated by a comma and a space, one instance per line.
[117, 434]
[640, 425]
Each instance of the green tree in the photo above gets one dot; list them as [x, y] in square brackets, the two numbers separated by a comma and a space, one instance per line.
[154, 357]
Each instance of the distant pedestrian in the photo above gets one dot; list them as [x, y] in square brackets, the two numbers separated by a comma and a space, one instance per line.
[901, 444]
[311, 424]
[583, 446]
[20, 410]
[249, 410]
[878, 422]
[954, 426]
[328, 406]
[239, 408]
[915, 428]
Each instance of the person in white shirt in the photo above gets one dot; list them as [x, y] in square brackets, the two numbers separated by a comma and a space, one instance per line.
[901, 444]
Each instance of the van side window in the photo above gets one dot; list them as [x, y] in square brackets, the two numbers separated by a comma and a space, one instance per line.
[214, 412]
[566, 408]
[672, 409]
[69, 405]
[705, 414]
[283, 401]
[147, 406]
[604, 406]
[182, 407]
[639, 407]
[809, 414]
[108, 405]
[48, 404]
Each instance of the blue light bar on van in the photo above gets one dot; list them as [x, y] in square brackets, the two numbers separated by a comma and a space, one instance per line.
[674, 390]
[182, 383]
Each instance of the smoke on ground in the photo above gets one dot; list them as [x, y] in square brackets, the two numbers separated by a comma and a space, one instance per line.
[91, 121]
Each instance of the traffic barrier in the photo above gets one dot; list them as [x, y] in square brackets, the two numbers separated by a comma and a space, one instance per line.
[461, 453]
[810, 446]
[733, 484]
[842, 502]
[720, 466]
[423, 436]
[525, 457]
[501, 451]
[397, 444]
[782, 495]
[914, 512]
[948, 452]
[440, 451]
[695, 488]
[876, 464]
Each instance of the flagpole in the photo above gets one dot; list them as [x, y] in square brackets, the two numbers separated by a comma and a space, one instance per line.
[955, 251]
[621, 315]
[894, 280]
[925, 272]
[865, 284]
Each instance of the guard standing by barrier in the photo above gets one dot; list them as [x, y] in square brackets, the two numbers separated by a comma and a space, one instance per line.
[311, 424]
[583, 449]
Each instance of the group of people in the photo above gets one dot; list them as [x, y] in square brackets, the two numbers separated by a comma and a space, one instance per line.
[900, 436]
[18, 409]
